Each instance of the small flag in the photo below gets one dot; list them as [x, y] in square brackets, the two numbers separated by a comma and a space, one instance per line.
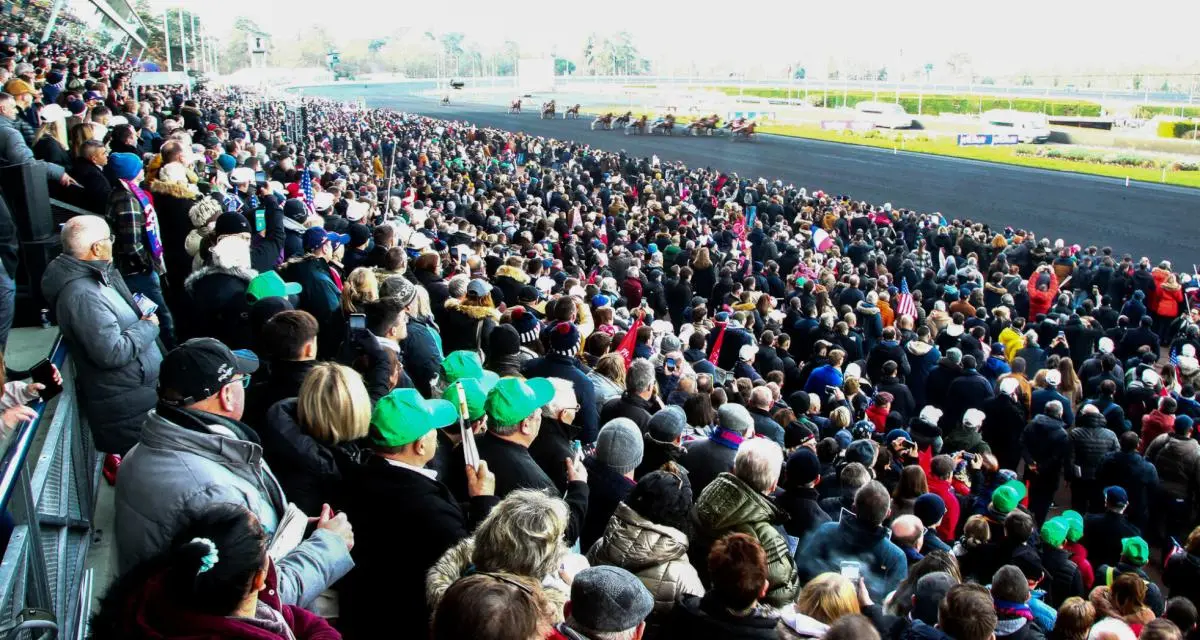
[904, 301]
[629, 342]
[717, 342]
[306, 188]
[1175, 365]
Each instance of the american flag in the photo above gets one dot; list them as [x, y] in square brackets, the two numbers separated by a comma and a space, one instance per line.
[1175, 364]
[306, 187]
[904, 301]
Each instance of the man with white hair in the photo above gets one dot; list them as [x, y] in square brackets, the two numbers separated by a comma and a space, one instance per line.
[761, 400]
[113, 342]
[737, 503]
[1046, 449]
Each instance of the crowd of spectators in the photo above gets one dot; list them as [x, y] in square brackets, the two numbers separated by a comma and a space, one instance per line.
[704, 405]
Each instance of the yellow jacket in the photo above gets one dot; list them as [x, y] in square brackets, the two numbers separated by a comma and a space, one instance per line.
[1013, 342]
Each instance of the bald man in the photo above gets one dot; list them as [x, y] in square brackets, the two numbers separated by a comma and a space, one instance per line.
[908, 532]
[114, 344]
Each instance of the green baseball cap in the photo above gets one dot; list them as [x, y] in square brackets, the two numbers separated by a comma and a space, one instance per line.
[1075, 520]
[465, 364]
[513, 399]
[1135, 550]
[1005, 498]
[271, 285]
[1054, 531]
[403, 417]
[476, 390]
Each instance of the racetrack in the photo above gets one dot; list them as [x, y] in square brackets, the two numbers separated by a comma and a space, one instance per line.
[1143, 219]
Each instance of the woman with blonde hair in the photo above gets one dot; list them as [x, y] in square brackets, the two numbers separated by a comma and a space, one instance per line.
[824, 600]
[1075, 619]
[611, 368]
[306, 439]
[50, 143]
[523, 535]
[80, 134]
[1069, 384]
[360, 286]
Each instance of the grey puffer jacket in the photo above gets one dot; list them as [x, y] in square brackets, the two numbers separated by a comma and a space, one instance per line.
[189, 460]
[14, 149]
[116, 353]
[655, 553]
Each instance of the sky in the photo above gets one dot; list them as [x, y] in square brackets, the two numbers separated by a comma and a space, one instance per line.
[1004, 37]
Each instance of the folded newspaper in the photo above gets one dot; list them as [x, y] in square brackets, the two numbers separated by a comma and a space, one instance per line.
[289, 534]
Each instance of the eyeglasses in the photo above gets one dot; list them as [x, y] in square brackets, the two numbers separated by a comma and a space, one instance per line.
[245, 380]
[509, 581]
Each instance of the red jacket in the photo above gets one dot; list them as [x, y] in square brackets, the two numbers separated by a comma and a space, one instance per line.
[1041, 301]
[1167, 301]
[147, 614]
[1154, 424]
[948, 529]
[878, 417]
[1079, 556]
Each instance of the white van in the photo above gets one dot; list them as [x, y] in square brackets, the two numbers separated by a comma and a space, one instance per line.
[886, 115]
[1027, 126]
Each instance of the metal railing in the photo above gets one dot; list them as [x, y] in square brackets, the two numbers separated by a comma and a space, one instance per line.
[44, 591]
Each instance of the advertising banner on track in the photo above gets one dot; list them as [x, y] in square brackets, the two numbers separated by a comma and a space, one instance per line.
[987, 139]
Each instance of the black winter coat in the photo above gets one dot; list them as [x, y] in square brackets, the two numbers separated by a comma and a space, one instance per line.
[559, 366]
[705, 460]
[1182, 576]
[1063, 577]
[628, 406]
[1091, 441]
[1102, 535]
[308, 470]
[606, 489]
[173, 202]
[515, 469]
[902, 398]
[706, 618]
[1046, 444]
[394, 508]
[284, 382]
[216, 306]
[937, 385]
[1133, 473]
[804, 511]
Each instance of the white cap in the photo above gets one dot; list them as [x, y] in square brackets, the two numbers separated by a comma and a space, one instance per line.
[117, 120]
[747, 352]
[52, 113]
[1150, 377]
[954, 330]
[242, 175]
[1106, 345]
[1188, 351]
[973, 418]
[1009, 386]
[931, 414]
[853, 370]
[322, 200]
[357, 210]
[1053, 377]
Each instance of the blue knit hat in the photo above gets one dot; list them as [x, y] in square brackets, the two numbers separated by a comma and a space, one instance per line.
[126, 166]
[226, 162]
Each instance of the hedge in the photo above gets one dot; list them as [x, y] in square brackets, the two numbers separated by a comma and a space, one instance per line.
[1174, 129]
[930, 104]
[1146, 112]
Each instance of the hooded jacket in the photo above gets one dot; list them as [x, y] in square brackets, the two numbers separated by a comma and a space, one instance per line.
[172, 201]
[923, 359]
[729, 505]
[308, 470]
[216, 305]
[467, 327]
[655, 553]
[187, 460]
[1178, 463]
[883, 564]
[116, 354]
